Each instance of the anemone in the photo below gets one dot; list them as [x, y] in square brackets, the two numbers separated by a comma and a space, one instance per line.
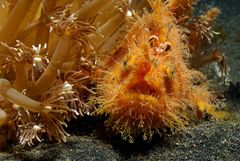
[48, 58]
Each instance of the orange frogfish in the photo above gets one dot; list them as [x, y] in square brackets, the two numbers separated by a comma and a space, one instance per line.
[148, 86]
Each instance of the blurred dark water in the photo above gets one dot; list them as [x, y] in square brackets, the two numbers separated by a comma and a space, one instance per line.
[229, 8]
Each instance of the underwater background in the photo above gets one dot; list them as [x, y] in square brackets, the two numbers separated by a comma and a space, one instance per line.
[208, 140]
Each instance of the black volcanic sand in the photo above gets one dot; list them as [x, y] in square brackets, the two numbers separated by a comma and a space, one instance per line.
[207, 140]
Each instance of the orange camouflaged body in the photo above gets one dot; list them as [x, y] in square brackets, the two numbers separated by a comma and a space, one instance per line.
[148, 86]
